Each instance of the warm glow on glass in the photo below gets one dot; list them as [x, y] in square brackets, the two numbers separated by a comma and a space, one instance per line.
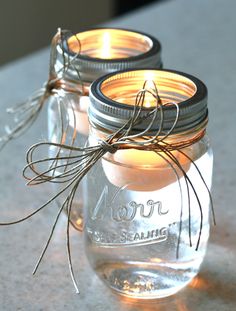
[150, 101]
[172, 303]
[149, 77]
[78, 117]
[149, 213]
[124, 87]
[141, 170]
[109, 43]
[106, 46]
[79, 222]
[200, 283]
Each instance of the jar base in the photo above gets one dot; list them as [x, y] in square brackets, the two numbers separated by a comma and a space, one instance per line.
[145, 281]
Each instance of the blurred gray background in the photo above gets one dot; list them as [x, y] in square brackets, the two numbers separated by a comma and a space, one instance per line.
[28, 25]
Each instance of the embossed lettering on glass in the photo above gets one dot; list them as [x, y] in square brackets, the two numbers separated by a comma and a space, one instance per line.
[147, 218]
[90, 54]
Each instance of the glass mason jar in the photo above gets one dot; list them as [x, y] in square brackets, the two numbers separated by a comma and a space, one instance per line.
[144, 236]
[94, 53]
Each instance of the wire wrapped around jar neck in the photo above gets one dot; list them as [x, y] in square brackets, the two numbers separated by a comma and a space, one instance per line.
[60, 63]
[180, 140]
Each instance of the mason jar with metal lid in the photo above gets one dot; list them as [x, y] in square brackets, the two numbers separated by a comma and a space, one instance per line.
[89, 55]
[147, 218]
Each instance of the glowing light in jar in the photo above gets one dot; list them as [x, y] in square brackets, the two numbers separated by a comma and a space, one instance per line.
[106, 45]
[149, 99]
[141, 170]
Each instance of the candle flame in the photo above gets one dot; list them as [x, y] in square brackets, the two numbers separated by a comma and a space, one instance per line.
[147, 104]
[149, 78]
[106, 45]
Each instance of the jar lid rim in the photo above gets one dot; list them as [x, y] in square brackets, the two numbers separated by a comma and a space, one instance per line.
[154, 49]
[111, 114]
[91, 68]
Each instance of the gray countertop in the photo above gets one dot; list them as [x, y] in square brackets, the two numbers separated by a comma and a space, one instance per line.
[198, 37]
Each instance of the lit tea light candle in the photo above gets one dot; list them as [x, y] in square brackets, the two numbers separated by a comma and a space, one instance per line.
[140, 170]
[150, 101]
[109, 43]
[99, 48]
[106, 51]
